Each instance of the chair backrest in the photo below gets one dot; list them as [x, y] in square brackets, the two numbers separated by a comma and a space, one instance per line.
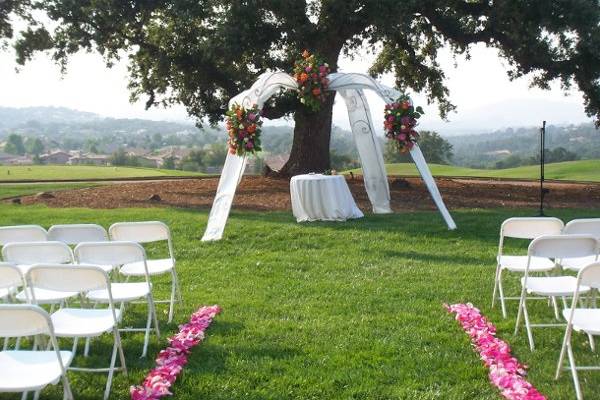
[142, 232]
[68, 278]
[37, 252]
[586, 226]
[590, 275]
[77, 233]
[22, 233]
[10, 276]
[20, 320]
[109, 253]
[563, 246]
[530, 227]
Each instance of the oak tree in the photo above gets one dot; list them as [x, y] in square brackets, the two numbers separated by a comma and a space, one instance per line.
[200, 53]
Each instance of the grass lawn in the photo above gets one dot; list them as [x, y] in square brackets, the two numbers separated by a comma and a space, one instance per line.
[23, 189]
[64, 172]
[583, 170]
[328, 310]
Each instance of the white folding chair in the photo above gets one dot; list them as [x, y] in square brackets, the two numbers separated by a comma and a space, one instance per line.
[22, 371]
[25, 254]
[588, 226]
[586, 320]
[522, 228]
[85, 323]
[74, 234]
[149, 232]
[22, 233]
[556, 247]
[119, 253]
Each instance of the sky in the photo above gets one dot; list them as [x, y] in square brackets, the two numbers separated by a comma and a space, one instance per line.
[479, 88]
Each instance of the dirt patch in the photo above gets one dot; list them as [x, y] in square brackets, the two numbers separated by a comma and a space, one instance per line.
[258, 193]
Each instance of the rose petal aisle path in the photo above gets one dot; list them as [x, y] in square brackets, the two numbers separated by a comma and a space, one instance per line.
[170, 361]
[506, 373]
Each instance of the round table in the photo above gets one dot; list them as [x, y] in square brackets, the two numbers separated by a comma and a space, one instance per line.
[317, 197]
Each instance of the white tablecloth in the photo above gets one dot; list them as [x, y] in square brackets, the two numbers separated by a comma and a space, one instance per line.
[322, 197]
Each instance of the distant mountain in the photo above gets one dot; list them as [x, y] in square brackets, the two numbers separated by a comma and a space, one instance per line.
[510, 114]
[14, 117]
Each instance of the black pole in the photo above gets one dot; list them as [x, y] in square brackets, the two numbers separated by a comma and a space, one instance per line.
[542, 162]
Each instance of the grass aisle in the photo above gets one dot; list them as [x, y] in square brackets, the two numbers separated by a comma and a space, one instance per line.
[328, 310]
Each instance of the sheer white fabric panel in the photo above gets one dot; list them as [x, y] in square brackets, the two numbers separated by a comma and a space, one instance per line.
[230, 177]
[423, 168]
[369, 150]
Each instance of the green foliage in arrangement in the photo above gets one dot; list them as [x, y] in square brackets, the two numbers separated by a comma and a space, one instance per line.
[328, 310]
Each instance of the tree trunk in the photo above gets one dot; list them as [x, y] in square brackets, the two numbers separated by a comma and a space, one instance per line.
[312, 134]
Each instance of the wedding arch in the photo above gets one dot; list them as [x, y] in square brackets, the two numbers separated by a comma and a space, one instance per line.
[351, 87]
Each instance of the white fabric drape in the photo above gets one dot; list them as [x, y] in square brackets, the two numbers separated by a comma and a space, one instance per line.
[369, 150]
[351, 87]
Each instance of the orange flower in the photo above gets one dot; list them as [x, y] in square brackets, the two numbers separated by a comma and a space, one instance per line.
[305, 54]
[303, 77]
[316, 91]
[239, 113]
[251, 128]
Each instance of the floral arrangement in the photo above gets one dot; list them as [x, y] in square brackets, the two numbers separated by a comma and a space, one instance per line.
[244, 128]
[399, 123]
[311, 74]
[506, 373]
[170, 361]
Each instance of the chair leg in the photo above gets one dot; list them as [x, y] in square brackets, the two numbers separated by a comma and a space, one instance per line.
[574, 371]
[528, 326]
[495, 286]
[111, 371]
[36, 395]
[592, 343]
[501, 293]
[117, 339]
[555, 306]
[147, 332]
[67, 393]
[172, 299]
[520, 311]
[563, 350]
[154, 315]
[24, 395]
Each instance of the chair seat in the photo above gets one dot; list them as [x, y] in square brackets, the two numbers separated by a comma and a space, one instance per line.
[83, 322]
[121, 292]
[22, 370]
[45, 296]
[155, 267]
[575, 264]
[553, 285]
[585, 319]
[519, 263]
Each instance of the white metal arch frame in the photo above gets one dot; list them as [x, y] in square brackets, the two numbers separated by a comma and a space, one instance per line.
[351, 87]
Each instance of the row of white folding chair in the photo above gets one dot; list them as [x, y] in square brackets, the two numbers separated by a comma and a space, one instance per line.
[531, 228]
[140, 232]
[22, 371]
[102, 254]
[72, 322]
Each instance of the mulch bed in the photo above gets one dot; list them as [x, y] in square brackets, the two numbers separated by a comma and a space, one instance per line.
[259, 193]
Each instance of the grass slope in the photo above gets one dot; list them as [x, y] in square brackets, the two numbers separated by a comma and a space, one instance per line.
[328, 310]
[583, 170]
[64, 172]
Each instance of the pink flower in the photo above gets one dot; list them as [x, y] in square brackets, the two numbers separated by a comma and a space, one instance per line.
[251, 116]
[506, 373]
[170, 361]
[308, 69]
[390, 118]
[402, 136]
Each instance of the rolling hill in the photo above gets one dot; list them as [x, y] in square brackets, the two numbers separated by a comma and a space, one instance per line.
[583, 170]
